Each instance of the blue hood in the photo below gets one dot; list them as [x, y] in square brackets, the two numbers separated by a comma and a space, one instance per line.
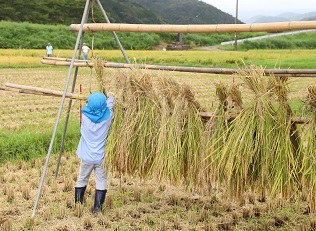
[96, 109]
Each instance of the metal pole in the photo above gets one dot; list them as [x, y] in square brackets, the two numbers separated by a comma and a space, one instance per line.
[60, 109]
[66, 123]
[115, 36]
[236, 22]
[70, 102]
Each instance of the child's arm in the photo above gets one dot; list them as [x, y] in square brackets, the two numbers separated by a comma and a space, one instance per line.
[110, 100]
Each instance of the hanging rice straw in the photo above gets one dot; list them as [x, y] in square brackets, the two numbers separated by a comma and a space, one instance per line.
[258, 152]
[309, 161]
[180, 134]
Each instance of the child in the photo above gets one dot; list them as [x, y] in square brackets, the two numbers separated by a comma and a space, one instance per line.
[96, 120]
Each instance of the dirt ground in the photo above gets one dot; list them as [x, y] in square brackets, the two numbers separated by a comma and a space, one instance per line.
[132, 204]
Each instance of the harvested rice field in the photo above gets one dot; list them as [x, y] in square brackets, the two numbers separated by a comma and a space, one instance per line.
[198, 187]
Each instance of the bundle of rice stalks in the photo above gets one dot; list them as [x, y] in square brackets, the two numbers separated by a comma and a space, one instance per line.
[99, 73]
[312, 96]
[156, 130]
[178, 156]
[289, 154]
[258, 152]
[217, 128]
[309, 161]
[115, 158]
[215, 134]
[235, 96]
[135, 127]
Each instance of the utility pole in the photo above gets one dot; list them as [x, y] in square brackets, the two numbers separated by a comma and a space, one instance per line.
[236, 22]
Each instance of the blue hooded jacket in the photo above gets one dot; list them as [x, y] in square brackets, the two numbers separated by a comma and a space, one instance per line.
[96, 122]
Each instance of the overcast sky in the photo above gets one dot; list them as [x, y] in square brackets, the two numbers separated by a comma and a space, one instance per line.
[250, 8]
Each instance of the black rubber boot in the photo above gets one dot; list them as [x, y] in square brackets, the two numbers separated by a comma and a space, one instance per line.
[99, 200]
[79, 193]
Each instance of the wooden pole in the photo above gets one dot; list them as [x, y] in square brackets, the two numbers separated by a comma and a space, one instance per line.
[295, 120]
[223, 71]
[43, 91]
[205, 115]
[204, 28]
[25, 89]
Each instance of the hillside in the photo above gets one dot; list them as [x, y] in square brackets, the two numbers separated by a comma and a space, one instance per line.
[187, 12]
[124, 11]
[285, 17]
[67, 12]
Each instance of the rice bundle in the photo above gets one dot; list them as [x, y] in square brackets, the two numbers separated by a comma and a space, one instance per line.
[309, 161]
[258, 152]
[100, 75]
[179, 135]
[288, 156]
[138, 117]
[215, 134]
[115, 155]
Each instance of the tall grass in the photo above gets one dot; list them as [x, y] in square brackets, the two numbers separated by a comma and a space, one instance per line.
[61, 38]
[299, 41]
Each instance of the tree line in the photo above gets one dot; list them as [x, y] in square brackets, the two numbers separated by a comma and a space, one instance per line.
[124, 11]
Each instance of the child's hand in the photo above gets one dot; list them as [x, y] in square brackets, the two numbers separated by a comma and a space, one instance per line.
[110, 94]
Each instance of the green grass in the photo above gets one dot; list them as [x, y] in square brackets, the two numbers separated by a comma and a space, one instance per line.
[295, 59]
[28, 143]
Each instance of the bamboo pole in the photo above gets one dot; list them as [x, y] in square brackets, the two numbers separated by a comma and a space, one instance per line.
[41, 91]
[223, 71]
[65, 59]
[295, 120]
[49, 92]
[204, 28]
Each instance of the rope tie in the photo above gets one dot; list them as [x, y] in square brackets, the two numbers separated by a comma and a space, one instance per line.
[289, 25]
[250, 28]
